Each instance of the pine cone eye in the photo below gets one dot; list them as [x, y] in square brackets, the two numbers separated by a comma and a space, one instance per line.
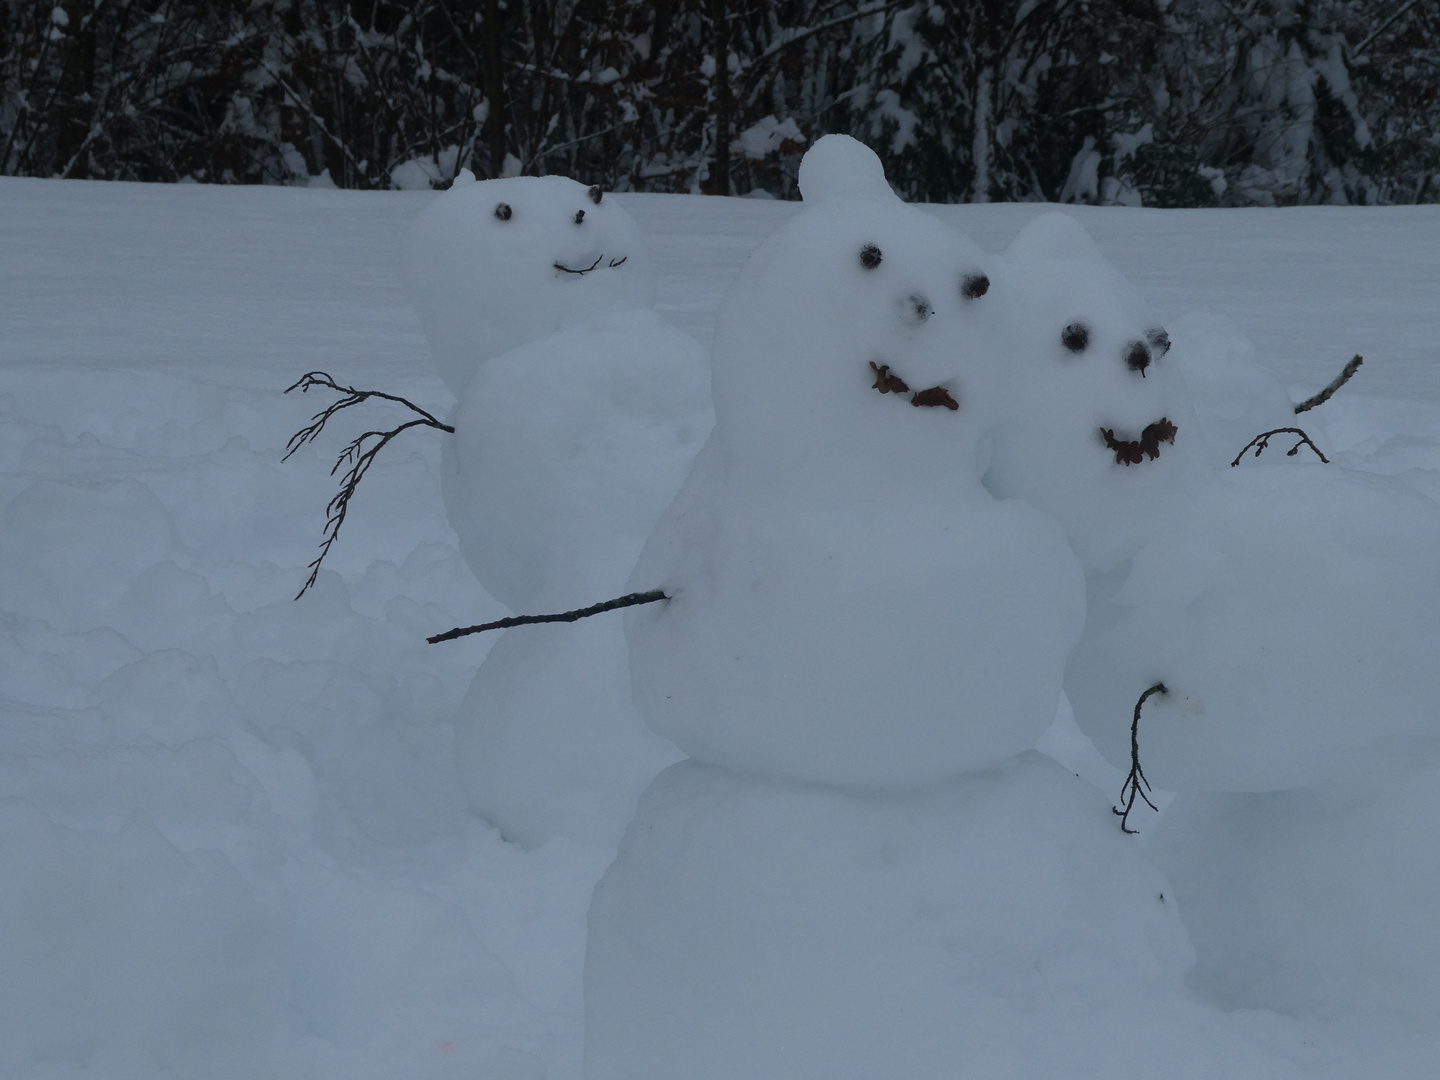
[595, 194]
[974, 286]
[870, 256]
[503, 211]
[1075, 337]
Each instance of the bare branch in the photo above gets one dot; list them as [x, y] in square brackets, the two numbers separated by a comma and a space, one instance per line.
[1335, 384]
[360, 455]
[628, 600]
[1262, 441]
[1136, 785]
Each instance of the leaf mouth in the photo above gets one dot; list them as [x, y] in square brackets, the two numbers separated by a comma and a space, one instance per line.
[1146, 448]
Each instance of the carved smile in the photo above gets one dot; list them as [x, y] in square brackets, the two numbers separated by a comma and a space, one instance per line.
[612, 264]
[1133, 451]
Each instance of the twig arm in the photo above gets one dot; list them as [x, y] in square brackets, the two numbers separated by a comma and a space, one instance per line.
[1335, 384]
[1261, 441]
[628, 600]
[1136, 785]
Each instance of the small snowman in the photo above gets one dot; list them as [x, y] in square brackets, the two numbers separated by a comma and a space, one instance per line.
[862, 871]
[580, 411]
[1290, 610]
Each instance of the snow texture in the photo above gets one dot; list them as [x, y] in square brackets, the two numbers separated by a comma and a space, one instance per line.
[236, 841]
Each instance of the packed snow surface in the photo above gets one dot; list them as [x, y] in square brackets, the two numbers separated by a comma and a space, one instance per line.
[236, 841]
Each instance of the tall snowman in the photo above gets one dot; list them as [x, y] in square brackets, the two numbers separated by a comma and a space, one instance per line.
[579, 414]
[1291, 610]
[861, 871]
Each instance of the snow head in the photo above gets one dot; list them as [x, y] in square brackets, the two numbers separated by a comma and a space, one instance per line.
[840, 165]
[496, 263]
[1099, 427]
[848, 604]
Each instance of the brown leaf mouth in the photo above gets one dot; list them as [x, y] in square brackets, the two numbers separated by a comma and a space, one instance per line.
[1134, 451]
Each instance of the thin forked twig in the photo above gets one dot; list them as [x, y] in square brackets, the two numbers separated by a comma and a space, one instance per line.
[628, 600]
[1261, 441]
[1335, 384]
[356, 453]
[1136, 785]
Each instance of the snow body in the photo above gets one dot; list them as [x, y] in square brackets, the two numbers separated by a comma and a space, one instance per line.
[493, 264]
[837, 574]
[566, 451]
[580, 411]
[1292, 611]
[854, 876]
[995, 925]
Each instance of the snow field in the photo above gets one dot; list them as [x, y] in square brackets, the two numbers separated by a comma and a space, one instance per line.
[272, 780]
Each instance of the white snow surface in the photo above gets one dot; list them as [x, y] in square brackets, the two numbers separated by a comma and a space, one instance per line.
[235, 838]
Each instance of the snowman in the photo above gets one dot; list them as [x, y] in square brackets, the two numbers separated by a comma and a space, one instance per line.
[1290, 608]
[862, 870]
[580, 411]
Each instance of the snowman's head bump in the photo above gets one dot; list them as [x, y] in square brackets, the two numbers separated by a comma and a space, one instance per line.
[1159, 340]
[579, 217]
[1137, 357]
[595, 194]
[1075, 337]
[870, 256]
[503, 211]
[974, 286]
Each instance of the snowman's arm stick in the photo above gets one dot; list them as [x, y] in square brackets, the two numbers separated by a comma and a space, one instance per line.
[628, 600]
[1339, 381]
[357, 452]
[1132, 788]
[1261, 441]
[311, 431]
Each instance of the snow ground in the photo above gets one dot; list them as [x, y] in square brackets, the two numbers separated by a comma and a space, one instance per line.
[233, 841]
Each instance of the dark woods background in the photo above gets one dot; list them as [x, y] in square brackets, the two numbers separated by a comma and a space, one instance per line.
[1169, 102]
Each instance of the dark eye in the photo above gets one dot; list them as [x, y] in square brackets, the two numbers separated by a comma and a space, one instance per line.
[595, 194]
[503, 211]
[579, 217]
[974, 286]
[1137, 357]
[870, 256]
[1075, 337]
[1159, 340]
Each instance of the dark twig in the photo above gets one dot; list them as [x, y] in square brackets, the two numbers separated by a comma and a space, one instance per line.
[1339, 381]
[562, 267]
[1136, 785]
[360, 456]
[1261, 441]
[628, 600]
